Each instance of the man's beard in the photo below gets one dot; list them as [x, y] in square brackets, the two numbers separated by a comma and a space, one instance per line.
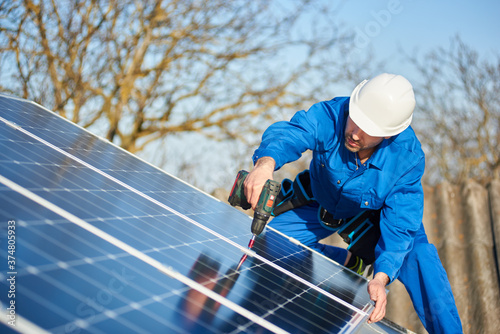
[353, 149]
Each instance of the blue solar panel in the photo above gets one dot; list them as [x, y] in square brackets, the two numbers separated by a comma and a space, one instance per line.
[105, 242]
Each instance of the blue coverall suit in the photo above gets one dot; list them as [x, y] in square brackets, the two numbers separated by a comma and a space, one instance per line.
[390, 180]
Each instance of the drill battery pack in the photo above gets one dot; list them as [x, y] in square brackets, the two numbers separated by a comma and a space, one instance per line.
[237, 195]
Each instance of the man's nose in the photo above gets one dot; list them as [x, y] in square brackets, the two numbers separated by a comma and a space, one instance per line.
[356, 133]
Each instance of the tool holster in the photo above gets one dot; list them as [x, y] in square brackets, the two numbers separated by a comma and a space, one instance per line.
[294, 194]
[362, 232]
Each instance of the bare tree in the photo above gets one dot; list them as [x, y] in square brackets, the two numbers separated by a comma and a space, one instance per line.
[460, 105]
[137, 71]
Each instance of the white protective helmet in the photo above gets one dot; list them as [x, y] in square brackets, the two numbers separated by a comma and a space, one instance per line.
[382, 106]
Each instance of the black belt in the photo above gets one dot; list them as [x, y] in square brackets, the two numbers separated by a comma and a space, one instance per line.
[328, 220]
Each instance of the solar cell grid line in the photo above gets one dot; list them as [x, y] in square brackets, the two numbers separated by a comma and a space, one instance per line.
[159, 203]
[90, 280]
[108, 311]
[171, 272]
[157, 217]
[63, 247]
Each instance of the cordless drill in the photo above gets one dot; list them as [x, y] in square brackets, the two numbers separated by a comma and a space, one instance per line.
[265, 205]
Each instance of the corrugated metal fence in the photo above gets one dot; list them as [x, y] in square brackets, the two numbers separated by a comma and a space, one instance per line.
[463, 222]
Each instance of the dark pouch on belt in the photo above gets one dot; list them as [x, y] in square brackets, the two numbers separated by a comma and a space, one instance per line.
[294, 194]
[362, 233]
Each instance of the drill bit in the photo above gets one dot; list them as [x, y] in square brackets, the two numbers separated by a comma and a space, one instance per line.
[244, 257]
[252, 241]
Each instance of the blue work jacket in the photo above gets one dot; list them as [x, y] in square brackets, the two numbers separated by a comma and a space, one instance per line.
[389, 180]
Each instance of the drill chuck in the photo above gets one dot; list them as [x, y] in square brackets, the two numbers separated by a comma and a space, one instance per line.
[259, 223]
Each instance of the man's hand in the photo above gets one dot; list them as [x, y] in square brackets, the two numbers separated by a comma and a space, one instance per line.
[262, 171]
[376, 290]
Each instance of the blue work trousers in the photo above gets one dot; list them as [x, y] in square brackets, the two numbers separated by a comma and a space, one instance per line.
[421, 273]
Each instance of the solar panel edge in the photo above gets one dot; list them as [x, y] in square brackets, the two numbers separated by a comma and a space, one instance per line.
[13, 97]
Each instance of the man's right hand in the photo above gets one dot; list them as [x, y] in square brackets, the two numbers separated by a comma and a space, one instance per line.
[376, 290]
[254, 182]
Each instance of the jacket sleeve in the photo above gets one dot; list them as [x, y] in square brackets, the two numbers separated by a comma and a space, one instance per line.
[400, 220]
[286, 141]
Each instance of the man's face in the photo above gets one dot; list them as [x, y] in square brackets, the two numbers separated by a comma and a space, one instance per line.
[357, 140]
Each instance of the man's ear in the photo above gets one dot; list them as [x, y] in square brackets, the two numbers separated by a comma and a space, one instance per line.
[387, 137]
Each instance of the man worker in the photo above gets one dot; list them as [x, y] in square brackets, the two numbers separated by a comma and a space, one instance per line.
[366, 158]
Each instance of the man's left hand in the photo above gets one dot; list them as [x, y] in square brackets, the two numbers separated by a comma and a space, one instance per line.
[376, 290]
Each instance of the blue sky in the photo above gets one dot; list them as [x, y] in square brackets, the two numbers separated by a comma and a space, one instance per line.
[413, 25]
[422, 25]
